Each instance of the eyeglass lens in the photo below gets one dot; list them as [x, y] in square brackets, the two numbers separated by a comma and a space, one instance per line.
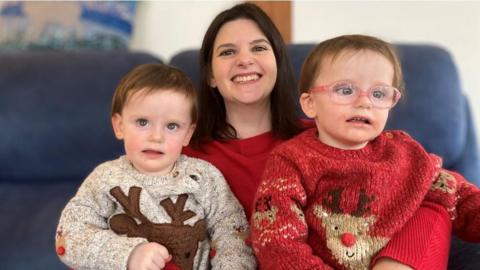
[380, 96]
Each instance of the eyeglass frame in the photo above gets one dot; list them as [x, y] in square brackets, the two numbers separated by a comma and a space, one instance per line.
[362, 92]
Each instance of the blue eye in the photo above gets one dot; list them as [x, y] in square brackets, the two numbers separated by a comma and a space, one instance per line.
[344, 90]
[378, 94]
[172, 126]
[142, 122]
[381, 92]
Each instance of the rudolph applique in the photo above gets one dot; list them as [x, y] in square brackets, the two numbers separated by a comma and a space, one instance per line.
[180, 240]
[347, 234]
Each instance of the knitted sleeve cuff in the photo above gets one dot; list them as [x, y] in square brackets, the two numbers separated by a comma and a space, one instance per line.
[424, 241]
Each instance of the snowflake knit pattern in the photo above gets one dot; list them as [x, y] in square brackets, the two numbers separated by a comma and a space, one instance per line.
[320, 207]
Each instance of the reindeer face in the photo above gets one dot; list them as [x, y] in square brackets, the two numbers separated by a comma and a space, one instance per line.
[347, 235]
[181, 242]
[445, 183]
[347, 238]
[265, 214]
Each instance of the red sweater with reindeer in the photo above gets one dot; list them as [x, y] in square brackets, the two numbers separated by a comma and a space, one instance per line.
[320, 207]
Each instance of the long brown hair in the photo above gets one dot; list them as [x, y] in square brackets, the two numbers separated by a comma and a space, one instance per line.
[212, 122]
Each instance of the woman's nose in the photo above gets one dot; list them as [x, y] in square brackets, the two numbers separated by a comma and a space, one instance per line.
[244, 58]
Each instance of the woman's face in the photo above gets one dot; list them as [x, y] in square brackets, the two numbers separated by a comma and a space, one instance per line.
[244, 67]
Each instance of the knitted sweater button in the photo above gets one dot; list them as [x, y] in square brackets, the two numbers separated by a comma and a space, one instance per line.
[60, 250]
[389, 135]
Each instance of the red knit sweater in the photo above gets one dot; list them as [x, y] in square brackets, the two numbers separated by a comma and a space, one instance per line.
[320, 207]
[240, 161]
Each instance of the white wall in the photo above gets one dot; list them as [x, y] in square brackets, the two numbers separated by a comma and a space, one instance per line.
[164, 28]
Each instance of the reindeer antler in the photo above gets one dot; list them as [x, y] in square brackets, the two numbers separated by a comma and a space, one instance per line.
[333, 200]
[363, 200]
[175, 211]
[130, 204]
[264, 202]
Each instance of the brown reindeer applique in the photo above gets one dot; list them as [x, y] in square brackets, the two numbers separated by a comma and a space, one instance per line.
[180, 240]
[347, 234]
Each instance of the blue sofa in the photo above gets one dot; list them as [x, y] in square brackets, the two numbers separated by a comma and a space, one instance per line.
[55, 119]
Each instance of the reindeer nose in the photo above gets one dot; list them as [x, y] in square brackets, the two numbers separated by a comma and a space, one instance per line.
[348, 239]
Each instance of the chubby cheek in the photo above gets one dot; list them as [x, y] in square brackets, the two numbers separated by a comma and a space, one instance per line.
[380, 121]
[174, 145]
[133, 144]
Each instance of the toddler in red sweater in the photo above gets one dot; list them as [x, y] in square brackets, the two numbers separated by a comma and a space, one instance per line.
[333, 196]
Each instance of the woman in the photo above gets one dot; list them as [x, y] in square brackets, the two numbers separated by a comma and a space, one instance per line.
[247, 107]
[247, 102]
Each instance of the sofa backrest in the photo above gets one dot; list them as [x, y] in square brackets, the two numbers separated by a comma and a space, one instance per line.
[434, 110]
[55, 112]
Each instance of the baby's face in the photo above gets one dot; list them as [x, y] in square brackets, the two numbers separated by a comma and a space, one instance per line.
[353, 125]
[154, 127]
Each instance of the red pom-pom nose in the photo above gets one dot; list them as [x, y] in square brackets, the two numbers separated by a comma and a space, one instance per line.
[348, 239]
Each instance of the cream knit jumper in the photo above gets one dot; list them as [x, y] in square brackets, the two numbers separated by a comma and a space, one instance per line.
[191, 211]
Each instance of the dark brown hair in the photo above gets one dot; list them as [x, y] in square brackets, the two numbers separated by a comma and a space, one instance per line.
[212, 122]
[333, 47]
[150, 78]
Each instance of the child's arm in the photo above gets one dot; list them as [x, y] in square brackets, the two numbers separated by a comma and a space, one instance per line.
[226, 224]
[466, 224]
[279, 230]
[83, 239]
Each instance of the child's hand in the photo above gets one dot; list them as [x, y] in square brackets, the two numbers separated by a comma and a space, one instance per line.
[389, 264]
[148, 256]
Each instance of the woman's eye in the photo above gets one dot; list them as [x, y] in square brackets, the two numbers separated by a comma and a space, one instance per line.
[226, 52]
[142, 122]
[259, 48]
[172, 126]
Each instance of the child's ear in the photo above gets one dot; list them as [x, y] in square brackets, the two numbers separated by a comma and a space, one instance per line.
[308, 105]
[117, 125]
[189, 134]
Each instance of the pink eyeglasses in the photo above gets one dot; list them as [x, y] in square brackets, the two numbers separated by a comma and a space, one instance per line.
[344, 92]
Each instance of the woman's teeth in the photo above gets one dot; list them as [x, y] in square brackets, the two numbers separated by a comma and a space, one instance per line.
[248, 78]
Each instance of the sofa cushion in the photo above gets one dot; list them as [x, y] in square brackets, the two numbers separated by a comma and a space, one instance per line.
[30, 214]
[55, 112]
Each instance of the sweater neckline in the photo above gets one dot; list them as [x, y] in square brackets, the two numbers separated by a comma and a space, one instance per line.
[128, 168]
[372, 151]
[258, 144]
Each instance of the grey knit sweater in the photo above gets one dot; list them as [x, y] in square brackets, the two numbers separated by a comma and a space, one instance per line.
[191, 211]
